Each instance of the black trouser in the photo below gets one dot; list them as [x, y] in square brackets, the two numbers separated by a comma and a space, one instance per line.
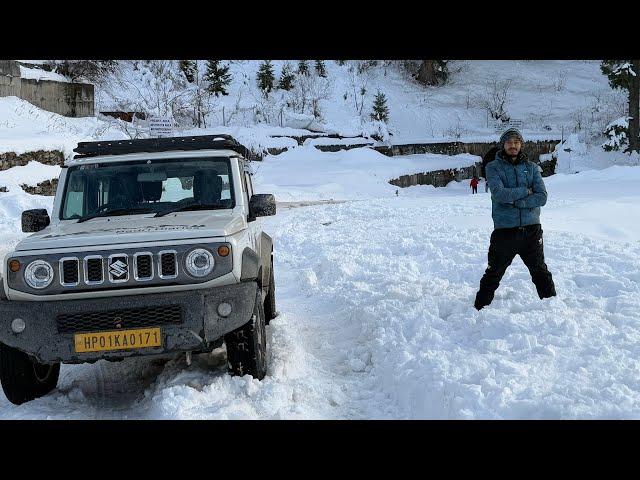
[506, 243]
[475, 189]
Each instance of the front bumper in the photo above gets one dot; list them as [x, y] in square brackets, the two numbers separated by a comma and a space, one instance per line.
[200, 326]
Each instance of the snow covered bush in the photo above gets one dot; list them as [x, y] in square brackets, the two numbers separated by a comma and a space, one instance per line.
[376, 129]
[617, 133]
[601, 107]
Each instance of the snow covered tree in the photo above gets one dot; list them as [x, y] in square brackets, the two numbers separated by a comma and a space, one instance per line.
[152, 87]
[303, 67]
[218, 78]
[265, 77]
[433, 72]
[321, 70]
[380, 109]
[625, 74]
[286, 78]
[617, 133]
[89, 70]
[188, 67]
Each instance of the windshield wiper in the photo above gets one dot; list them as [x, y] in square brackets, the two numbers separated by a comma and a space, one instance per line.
[114, 213]
[191, 206]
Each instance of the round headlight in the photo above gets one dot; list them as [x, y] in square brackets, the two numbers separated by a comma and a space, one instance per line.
[200, 262]
[38, 274]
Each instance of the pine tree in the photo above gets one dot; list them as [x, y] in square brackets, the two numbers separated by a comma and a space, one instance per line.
[286, 78]
[625, 74]
[189, 68]
[217, 77]
[265, 77]
[303, 67]
[380, 109]
[321, 69]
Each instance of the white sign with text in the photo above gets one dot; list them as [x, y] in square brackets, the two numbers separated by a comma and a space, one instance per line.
[161, 126]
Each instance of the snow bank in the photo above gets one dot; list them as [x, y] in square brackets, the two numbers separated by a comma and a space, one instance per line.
[576, 156]
[31, 174]
[38, 74]
[26, 128]
[305, 173]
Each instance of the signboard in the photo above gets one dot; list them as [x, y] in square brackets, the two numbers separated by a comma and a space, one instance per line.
[161, 126]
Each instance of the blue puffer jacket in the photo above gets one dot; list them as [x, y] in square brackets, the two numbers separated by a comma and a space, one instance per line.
[512, 206]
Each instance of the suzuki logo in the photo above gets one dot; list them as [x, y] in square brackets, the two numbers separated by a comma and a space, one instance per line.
[118, 268]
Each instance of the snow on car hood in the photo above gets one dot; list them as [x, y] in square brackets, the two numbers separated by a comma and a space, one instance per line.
[134, 229]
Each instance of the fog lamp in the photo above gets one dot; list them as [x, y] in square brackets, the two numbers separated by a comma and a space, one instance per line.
[18, 325]
[224, 309]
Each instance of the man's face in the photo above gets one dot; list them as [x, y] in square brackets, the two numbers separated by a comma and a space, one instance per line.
[512, 146]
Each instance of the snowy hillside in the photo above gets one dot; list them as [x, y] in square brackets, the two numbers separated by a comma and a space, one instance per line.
[547, 96]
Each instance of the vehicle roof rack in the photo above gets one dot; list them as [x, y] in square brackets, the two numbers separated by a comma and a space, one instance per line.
[147, 145]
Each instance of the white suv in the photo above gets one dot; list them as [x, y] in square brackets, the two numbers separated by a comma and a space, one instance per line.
[153, 248]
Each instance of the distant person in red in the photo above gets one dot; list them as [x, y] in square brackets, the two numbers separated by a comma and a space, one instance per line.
[474, 184]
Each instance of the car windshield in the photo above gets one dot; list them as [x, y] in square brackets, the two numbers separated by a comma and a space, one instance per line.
[160, 186]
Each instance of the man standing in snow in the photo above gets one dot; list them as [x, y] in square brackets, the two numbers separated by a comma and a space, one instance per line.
[517, 193]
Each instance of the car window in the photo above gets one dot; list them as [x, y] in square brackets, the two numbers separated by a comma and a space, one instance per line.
[176, 189]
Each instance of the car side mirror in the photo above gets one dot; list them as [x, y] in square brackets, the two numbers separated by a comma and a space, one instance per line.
[261, 205]
[35, 220]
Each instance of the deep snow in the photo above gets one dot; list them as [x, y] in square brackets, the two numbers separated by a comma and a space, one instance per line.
[377, 320]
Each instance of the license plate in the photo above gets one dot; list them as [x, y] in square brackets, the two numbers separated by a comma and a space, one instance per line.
[118, 340]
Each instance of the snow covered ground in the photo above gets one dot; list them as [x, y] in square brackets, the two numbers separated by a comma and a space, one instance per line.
[376, 319]
[375, 293]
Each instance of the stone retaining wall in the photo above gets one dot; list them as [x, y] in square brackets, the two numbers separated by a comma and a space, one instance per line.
[437, 178]
[48, 188]
[48, 157]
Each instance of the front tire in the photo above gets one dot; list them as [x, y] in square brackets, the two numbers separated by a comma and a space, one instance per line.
[270, 300]
[24, 379]
[247, 345]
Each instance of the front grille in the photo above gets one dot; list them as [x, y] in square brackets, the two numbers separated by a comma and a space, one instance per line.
[94, 270]
[168, 265]
[70, 271]
[144, 266]
[116, 319]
